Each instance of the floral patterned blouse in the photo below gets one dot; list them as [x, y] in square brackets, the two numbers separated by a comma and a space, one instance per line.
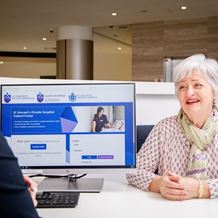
[167, 149]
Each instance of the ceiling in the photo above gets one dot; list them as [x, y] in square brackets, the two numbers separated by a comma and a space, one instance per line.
[26, 22]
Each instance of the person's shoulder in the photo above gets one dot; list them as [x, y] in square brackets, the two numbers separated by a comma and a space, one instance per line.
[168, 122]
[171, 119]
[104, 116]
[4, 148]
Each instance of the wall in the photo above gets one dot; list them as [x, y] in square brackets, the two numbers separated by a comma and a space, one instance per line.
[151, 42]
[109, 63]
[27, 67]
[155, 40]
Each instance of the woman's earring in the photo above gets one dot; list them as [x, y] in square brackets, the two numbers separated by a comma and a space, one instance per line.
[214, 107]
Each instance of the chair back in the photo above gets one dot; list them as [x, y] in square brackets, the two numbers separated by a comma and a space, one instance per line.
[142, 133]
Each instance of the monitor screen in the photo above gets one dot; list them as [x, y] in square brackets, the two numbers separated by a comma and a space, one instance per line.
[70, 126]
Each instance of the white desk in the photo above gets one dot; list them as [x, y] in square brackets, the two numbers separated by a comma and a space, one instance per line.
[119, 200]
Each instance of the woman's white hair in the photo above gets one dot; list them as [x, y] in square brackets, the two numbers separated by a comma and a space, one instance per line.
[206, 66]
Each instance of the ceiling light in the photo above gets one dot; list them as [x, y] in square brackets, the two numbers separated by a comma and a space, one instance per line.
[119, 48]
[114, 14]
[25, 48]
[44, 39]
[1, 62]
[183, 7]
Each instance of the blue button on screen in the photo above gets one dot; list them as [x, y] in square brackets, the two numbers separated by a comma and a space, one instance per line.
[38, 146]
[86, 157]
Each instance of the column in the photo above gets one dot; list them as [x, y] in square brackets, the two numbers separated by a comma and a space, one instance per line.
[75, 53]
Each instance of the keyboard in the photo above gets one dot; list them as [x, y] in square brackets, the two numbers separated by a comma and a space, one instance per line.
[57, 199]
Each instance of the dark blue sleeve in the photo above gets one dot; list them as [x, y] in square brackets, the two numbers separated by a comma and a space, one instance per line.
[105, 119]
[15, 199]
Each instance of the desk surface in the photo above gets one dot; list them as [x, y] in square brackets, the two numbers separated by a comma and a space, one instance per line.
[118, 199]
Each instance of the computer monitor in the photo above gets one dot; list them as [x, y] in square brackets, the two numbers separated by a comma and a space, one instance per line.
[66, 128]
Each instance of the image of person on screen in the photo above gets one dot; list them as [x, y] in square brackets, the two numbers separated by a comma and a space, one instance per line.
[117, 126]
[179, 158]
[17, 192]
[100, 120]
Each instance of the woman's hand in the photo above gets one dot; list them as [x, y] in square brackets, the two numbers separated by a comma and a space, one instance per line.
[174, 187]
[32, 187]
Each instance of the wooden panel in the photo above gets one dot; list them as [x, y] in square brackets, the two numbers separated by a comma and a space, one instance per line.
[213, 37]
[147, 51]
[153, 41]
[184, 38]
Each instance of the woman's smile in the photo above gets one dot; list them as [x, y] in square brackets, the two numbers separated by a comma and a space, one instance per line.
[192, 101]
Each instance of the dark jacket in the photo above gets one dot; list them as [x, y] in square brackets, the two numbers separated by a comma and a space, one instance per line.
[15, 199]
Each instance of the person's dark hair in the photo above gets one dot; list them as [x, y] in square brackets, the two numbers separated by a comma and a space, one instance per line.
[99, 109]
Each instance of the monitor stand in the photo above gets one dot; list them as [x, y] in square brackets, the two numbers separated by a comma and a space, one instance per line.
[71, 185]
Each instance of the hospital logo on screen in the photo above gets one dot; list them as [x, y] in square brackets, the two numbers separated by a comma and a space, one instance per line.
[40, 97]
[72, 97]
[7, 97]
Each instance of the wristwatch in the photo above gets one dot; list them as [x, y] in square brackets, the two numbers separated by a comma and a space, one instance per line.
[200, 189]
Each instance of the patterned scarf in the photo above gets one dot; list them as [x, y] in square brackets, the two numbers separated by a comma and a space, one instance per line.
[199, 140]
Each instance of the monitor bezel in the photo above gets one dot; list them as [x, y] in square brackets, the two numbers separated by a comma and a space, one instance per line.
[76, 168]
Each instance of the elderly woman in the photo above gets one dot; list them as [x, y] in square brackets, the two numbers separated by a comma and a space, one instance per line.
[184, 148]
